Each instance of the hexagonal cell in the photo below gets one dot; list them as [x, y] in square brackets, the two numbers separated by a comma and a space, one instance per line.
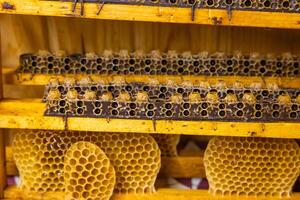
[252, 166]
[97, 181]
[39, 156]
[125, 152]
[172, 63]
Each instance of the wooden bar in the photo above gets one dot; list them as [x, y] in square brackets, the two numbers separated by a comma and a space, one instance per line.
[42, 79]
[11, 168]
[29, 113]
[162, 194]
[2, 139]
[2, 164]
[182, 167]
[154, 14]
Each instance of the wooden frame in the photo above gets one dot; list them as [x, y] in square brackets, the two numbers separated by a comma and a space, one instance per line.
[2, 141]
[43, 79]
[154, 14]
[29, 113]
[161, 194]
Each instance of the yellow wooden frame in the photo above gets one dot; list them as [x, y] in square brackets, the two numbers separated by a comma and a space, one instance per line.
[29, 114]
[43, 79]
[2, 141]
[161, 194]
[155, 14]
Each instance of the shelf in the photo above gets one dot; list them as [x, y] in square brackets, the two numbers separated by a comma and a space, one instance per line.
[165, 194]
[154, 14]
[176, 167]
[28, 113]
[10, 77]
[230, 80]
[180, 167]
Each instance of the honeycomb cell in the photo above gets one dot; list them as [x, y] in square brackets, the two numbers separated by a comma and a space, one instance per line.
[88, 173]
[72, 94]
[194, 97]
[124, 97]
[167, 144]
[32, 153]
[160, 63]
[252, 166]
[138, 147]
[39, 156]
[142, 97]
[212, 97]
[107, 96]
[53, 94]
[90, 95]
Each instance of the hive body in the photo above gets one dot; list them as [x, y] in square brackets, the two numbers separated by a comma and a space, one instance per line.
[40, 155]
[252, 166]
[88, 173]
[167, 144]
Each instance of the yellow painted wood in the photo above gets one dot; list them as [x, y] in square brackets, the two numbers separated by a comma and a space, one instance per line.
[11, 168]
[9, 76]
[182, 167]
[28, 113]
[155, 14]
[162, 194]
[2, 140]
[9, 154]
[243, 129]
[13, 89]
[42, 79]
[2, 164]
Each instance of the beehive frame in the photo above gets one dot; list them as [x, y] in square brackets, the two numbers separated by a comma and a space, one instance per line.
[161, 63]
[88, 5]
[171, 101]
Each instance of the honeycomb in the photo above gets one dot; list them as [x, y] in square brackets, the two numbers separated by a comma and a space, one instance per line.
[171, 100]
[135, 157]
[39, 159]
[168, 63]
[167, 144]
[252, 166]
[39, 156]
[88, 173]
